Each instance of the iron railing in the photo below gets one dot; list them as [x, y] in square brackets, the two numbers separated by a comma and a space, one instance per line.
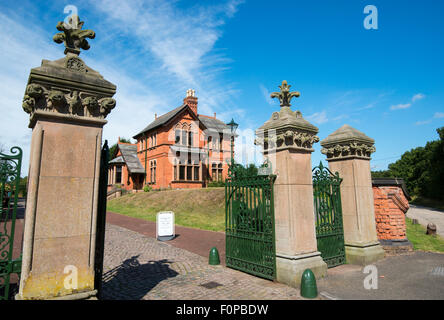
[328, 215]
[10, 167]
[249, 221]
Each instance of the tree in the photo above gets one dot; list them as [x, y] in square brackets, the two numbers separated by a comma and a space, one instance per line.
[421, 168]
[112, 150]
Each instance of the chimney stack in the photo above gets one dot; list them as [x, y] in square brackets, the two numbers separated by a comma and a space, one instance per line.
[215, 115]
[155, 116]
[191, 100]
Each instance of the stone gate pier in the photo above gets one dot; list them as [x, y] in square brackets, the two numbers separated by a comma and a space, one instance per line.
[67, 102]
[287, 140]
[348, 153]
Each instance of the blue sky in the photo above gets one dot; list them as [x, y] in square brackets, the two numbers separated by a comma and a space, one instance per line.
[387, 82]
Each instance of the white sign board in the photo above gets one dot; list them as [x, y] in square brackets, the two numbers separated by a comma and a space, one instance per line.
[165, 226]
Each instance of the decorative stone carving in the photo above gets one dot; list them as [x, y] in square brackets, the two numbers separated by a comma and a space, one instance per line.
[285, 95]
[92, 105]
[286, 129]
[73, 36]
[106, 105]
[347, 142]
[32, 94]
[68, 86]
[75, 104]
[353, 149]
[38, 97]
[75, 64]
[56, 99]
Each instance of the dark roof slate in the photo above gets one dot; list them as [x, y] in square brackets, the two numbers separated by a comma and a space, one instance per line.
[214, 124]
[209, 122]
[162, 119]
[119, 159]
[129, 154]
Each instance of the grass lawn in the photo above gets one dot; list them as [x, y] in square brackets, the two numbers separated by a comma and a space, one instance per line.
[194, 208]
[416, 234]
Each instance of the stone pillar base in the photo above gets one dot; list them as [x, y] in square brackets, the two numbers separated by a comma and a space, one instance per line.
[396, 247]
[289, 269]
[363, 254]
[89, 295]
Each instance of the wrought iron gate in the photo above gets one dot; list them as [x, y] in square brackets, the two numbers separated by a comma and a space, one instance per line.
[10, 167]
[328, 215]
[249, 223]
[101, 220]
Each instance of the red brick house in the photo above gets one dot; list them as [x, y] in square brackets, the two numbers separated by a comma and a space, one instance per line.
[180, 149]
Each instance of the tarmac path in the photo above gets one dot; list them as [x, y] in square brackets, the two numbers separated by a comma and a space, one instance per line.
[426, 216]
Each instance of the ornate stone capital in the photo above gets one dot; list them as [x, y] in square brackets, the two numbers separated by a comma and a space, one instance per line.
[66, 101]
[68, 86]
[347, 143]
[287, 130]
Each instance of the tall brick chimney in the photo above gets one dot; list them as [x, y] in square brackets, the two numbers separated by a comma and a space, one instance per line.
[191, 100]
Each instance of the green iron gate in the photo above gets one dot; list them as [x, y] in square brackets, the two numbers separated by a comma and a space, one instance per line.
[101, 220]
[249, 222]
[328, 215]
[10, 167]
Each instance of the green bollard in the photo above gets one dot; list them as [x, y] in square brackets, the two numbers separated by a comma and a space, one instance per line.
[214, 257]
[308, 285]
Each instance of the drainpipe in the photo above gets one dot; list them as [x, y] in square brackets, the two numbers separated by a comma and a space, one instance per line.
[144, 137]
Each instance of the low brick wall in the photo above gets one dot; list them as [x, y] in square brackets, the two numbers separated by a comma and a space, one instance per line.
[391, 204]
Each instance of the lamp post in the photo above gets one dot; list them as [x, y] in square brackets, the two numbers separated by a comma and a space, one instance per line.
[233, 126]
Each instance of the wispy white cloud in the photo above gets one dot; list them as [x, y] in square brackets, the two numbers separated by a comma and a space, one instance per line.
[318, 117]
[437, 115]
[401, 106]
[416, 97]
[179, 43]
[266, 95]
[420, 123]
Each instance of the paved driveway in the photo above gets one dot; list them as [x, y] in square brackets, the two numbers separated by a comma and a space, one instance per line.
[139, 267]
[417, 276]
[426, 216]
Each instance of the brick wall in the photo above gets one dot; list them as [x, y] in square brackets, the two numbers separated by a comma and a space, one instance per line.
[391, 205]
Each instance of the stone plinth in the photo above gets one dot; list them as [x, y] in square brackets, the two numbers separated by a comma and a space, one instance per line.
[67, 102]
[287, 140]
[348, 153]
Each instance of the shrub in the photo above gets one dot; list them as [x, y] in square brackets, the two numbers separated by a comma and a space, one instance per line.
[216, 184]
[147, 188]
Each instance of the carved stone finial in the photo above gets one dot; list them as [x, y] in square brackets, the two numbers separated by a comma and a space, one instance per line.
[347, 143]
[285, 95]
[73, 36]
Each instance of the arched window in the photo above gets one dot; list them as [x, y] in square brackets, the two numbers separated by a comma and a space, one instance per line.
[214, 172]
[153, 165]
[219, 172]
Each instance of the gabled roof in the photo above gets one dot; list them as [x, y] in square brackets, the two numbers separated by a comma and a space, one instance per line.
[213, 124]
[119, 159]
[162, 119]
[129, 155]
[208, 122]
